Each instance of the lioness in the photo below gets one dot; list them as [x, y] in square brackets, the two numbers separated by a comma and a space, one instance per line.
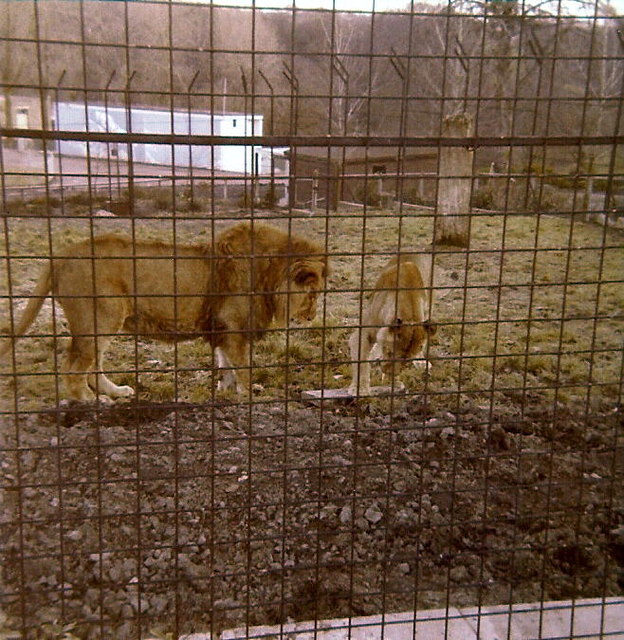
[395, 322]
[226, 293]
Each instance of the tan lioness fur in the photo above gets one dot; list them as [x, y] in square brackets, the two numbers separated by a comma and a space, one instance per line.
[395, 321]
[226, 293]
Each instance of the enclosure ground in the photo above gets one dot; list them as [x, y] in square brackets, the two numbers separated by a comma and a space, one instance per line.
[273, 512]
[496, 478]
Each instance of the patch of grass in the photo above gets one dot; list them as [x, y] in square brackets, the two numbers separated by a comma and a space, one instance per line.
[540, 299]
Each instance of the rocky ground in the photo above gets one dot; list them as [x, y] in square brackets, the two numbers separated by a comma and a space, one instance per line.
[131, 519]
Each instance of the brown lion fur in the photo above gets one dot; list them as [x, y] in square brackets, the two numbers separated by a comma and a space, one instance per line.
[224, 293]
[395, 321]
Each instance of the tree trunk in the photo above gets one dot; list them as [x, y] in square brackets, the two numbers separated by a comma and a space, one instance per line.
[453, 224]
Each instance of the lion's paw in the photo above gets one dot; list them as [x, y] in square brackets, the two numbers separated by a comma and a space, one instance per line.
[124, 391]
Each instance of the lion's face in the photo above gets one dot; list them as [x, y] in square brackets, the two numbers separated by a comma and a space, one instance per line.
[403, 342]
[303, 305]
[298, 296]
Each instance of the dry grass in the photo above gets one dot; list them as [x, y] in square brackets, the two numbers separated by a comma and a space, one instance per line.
[532, 310]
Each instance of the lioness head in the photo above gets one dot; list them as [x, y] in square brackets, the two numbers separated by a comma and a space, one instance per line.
[403, 341]
[298, 295]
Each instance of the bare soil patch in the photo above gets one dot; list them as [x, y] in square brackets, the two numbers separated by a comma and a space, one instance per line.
[218, 516]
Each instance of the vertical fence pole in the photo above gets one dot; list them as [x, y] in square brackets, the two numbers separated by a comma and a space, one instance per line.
[109, 148]
[190, 131]
[130, 161]
[59, 155]
[289, 74]
[271, 198]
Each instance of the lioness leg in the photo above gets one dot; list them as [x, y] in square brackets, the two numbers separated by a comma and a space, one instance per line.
[360, 345]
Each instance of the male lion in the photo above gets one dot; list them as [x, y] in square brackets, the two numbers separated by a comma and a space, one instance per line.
[227, 294]
[395, 322]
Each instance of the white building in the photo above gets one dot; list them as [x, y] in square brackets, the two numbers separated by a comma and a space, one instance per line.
[243, 159]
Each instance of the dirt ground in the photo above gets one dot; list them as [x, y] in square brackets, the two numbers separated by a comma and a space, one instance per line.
[201, 518]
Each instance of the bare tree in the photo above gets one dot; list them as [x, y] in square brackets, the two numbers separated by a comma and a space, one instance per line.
[339, 78]
[454, 188]
[600, 75]
[453, 37]
[354, 78]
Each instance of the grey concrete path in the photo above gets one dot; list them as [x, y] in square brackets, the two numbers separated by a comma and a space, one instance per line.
[592, 619]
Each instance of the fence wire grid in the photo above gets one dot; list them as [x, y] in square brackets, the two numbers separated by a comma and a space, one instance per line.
[328, 340]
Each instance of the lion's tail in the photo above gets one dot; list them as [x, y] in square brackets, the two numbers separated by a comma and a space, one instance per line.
[40, 293]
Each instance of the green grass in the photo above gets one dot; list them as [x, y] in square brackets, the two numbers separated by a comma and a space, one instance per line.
[565, 276]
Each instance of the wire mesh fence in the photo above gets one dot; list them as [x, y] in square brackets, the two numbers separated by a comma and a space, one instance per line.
[312, 320]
